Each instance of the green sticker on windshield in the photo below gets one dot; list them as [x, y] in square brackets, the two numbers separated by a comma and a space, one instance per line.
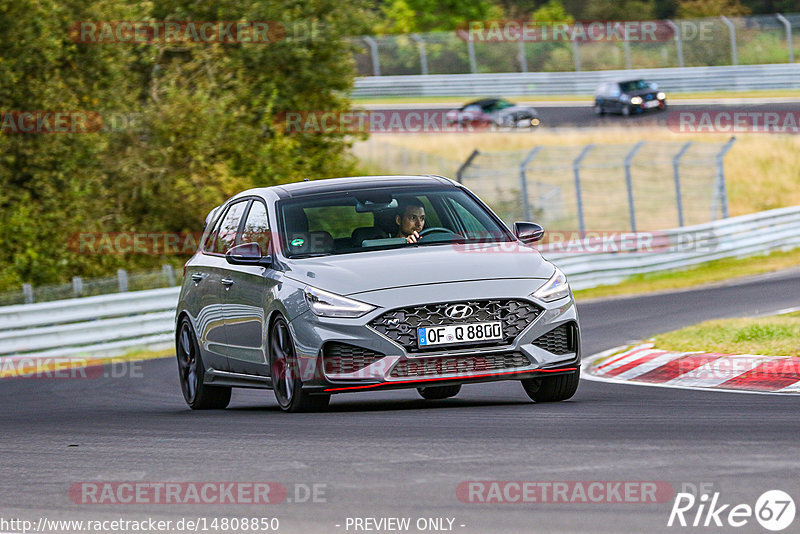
[297, 242]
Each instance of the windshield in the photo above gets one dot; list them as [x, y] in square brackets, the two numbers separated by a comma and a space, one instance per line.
[636, 85]
[497, 105]
[360, 221]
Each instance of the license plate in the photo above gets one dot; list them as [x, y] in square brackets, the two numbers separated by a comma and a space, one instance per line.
[652, 104]
[460, 333]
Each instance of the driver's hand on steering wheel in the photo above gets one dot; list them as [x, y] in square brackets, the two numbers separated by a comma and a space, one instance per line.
[412, 238]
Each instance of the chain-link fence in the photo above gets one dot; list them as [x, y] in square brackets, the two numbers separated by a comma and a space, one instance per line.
[643, 186]
[751, 40]
[80, 287]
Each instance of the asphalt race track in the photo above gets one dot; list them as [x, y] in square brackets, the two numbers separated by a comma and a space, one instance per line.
[391, 454]
[584, 116]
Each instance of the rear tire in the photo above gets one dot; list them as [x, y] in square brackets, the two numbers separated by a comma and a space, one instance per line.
[626, 111]
[439, 392]
[192, 372]
[598, 109]
[285, 373]
[552, 388]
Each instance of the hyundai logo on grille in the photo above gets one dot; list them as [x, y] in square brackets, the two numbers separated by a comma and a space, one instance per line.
[458, 311]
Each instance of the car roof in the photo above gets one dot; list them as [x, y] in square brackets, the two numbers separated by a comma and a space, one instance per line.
[483, 102]
[351, 183]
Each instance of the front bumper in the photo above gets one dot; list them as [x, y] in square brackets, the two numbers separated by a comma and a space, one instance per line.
[396, 367]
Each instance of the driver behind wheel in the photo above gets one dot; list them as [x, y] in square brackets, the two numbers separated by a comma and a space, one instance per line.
[410, 219]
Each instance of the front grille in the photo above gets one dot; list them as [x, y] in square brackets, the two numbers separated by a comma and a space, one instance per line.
[343, 358]
[401, 325]
[561, 340]
[467, 364]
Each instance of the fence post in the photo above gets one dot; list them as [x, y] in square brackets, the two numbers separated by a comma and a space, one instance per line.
[473, 63]
[122, 278]
[722, 189]
[629, 183]
[373, 50]
[523, 61]
[626, 45]
[77, 285]
[678, 42]
[467, 163]
[732, 30]
[576, 166]
[676, 175]
[789, 43]
[169, 273]
[523, 178]
[27, 293]
[576, 54]
[423, 56]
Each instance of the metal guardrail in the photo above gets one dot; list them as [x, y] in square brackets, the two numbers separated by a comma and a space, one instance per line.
[676, 80]
[112, 324]
[741, 236]
[108, 324]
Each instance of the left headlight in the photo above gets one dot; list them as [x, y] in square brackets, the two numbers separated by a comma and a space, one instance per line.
[636, 100]
[555, 288]
[326, 304]
[661, 96]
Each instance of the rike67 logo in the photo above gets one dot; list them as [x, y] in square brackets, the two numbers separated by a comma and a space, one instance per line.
[774, 510]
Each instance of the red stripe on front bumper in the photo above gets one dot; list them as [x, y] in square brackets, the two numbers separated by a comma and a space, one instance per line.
[368, 386]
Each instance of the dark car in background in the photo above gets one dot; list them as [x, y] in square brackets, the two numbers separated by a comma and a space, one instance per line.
[628, 97]
[494, 112]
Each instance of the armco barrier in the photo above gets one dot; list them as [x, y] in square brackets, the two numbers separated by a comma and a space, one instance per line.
[110, 324]
[676, 80]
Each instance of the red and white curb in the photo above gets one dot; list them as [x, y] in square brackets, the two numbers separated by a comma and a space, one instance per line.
[644, 365]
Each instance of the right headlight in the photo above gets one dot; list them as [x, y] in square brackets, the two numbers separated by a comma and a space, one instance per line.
[327, 304]
[555, 288]
[636, 100]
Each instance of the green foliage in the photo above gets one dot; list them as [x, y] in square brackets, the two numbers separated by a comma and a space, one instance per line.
[202, 131]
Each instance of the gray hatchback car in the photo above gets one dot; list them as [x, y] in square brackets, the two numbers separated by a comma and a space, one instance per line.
[370, 283]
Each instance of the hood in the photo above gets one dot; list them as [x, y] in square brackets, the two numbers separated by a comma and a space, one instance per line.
[350, 274]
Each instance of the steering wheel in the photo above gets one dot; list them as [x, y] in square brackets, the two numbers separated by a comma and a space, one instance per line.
[435, 230]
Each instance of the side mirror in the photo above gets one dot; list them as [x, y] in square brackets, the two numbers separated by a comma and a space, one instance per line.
[247, 254]
[528, 232]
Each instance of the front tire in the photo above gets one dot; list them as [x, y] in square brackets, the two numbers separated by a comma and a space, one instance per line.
[439, 392]
[192, 372]
[285, 373]
[552, 388]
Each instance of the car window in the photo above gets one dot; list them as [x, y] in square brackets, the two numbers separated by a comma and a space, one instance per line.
[613, 89]
[256, 227]
[635, 85]
[229, 226]
[339, 221]
[503, 104]
[472, 108]
[342, 223]
[208, 245]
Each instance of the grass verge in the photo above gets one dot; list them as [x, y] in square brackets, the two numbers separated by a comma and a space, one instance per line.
[772, 336]
[707, 273]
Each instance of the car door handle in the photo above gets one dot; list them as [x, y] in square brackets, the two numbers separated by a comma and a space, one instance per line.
[197, 277]
[227, 282]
